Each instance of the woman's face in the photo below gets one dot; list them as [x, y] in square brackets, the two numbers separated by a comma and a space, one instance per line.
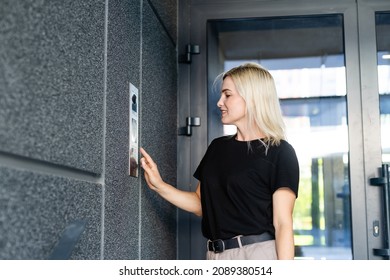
[231, 104]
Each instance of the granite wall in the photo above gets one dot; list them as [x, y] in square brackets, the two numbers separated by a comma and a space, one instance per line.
[65, 70]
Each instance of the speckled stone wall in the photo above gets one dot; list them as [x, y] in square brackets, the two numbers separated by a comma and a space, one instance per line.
[65, 69]
[158, 134]
[35, 209]
[51, 81]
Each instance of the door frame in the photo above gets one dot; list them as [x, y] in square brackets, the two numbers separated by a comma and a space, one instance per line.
[369, 89]
[362, 84]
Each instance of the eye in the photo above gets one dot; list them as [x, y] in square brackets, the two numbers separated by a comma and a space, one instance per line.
[226, 93]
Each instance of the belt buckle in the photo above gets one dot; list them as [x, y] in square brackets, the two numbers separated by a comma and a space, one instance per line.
[218, 246]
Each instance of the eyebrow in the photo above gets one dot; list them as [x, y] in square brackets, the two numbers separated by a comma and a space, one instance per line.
[225, 89]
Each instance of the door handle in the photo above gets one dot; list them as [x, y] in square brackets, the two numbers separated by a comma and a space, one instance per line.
[384, 183]
[190, 122]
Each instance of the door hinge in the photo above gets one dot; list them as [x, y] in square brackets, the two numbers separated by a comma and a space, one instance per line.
[189, 51]
[190, 122]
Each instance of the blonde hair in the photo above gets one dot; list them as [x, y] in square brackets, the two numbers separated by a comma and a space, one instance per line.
[257, 87]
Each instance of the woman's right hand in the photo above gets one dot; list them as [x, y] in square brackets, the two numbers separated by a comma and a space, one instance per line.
[189, 201]
[151, 173]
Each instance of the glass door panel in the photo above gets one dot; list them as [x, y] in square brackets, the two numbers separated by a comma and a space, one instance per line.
[306, 57]
[382, 20]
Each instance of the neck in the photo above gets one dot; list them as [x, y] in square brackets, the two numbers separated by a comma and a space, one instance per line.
[248, 135]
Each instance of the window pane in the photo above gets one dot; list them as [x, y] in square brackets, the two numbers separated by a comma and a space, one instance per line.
[383, 56]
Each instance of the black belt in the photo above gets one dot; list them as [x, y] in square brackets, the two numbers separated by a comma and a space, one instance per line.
[219, 245]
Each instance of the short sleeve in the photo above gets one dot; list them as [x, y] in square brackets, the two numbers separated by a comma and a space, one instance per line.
[198, 172]
[287, 169]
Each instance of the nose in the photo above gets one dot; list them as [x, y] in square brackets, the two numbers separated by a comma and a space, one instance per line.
[220, 102]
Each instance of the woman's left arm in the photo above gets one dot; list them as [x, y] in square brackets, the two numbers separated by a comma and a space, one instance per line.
[283, 204]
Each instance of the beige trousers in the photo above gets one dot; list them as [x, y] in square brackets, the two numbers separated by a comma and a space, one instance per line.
[258, 251]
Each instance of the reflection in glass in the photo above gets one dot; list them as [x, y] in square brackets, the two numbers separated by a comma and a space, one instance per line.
[383, 57]
[306, 57]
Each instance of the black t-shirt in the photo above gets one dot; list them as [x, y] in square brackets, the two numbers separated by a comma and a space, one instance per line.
[237, 182]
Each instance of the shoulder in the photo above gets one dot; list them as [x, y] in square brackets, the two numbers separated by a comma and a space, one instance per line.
[222, 139]
[284, 145]
[283, 151]
[215, 149]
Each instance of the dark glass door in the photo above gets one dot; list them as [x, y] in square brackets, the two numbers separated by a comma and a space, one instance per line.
[329, 61]
[305, 55]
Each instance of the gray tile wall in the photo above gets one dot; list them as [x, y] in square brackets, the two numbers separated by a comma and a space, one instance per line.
[64, 126]
[51, 81]
[159, 96]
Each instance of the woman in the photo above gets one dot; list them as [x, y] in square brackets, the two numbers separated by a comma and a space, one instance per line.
[248, 182]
